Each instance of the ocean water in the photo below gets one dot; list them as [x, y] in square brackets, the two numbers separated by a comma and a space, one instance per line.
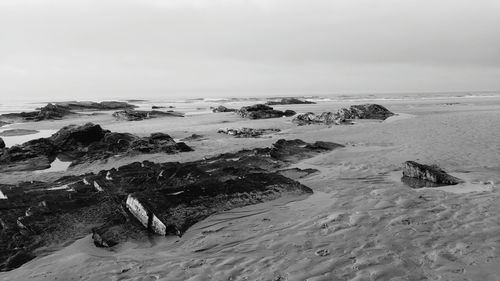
[193, 106]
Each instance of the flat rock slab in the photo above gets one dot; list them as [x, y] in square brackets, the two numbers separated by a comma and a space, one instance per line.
[17, 132]
[138, 115]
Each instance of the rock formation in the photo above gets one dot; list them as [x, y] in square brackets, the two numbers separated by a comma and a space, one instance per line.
[289, 101]
[122, 203]
[2, 143]
[222, 108]
[48, 112]
[84, 143]
[432, 174]
[247, 132]
[262, 111]
[137, 115]
[90, 105]
[344, 115]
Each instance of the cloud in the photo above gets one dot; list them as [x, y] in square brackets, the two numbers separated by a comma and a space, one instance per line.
[151, 46]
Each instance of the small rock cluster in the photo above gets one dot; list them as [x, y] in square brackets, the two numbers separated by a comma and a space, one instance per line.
[262, 111]
[247, 132]
[344, 115]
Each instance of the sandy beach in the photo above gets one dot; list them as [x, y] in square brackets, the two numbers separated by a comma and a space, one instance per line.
[361, 223]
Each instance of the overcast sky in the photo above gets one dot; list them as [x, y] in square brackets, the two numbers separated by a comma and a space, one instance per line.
[144, 48]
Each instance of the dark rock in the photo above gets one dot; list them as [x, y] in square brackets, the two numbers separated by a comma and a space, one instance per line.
[84, 143]
[136, 115]
[289, 101]
[164, 198]
[247, 132]
[262, 111]
[295, 150]
[89, 105]
[194, 137]
[17, 132]
[2, 143]
[432, 174]
[48, 112]
[222, 108]
[344, 115]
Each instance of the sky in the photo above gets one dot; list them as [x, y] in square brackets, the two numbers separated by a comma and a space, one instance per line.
[67, 49]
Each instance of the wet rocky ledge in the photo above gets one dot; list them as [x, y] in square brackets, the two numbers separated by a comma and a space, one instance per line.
[143, 197]
[85, 143]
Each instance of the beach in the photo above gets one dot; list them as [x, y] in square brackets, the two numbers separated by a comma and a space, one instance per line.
[361, 222]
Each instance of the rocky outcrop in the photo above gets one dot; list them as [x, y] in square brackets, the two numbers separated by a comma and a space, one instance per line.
[159, 106]
[136, 115]
[247, 132]
[90, 105]
[432, 174]
[262, 111]
[163, 198]
[222, 108]
[2, 143]
[84, 143]
[48, 112]
[285, 101]
[344, 115]
[194, 137]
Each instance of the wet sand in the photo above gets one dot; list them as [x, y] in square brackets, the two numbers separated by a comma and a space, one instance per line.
[361, 223]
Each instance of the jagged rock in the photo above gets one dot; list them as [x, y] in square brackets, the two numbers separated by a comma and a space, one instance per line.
[262, 111]
[289, 101]
[432, 174]
[89, 105]
[2, 143]
[84, 143]
[222, 108]
[247, 132]
[136, 115]
[344, 115]
[164, 198]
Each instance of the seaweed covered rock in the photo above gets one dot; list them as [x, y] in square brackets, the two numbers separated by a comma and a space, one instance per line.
[137, 115]
[432, 174]
[285, 101]
[344, 115]
[262, 111]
